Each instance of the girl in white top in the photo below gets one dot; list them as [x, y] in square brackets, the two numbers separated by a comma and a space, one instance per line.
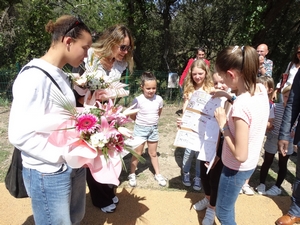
[50, 182]
[245, 128]
[198, 78]
[146, 120]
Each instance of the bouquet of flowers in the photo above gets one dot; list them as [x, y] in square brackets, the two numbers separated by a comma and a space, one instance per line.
[95, 79]
[96, 137]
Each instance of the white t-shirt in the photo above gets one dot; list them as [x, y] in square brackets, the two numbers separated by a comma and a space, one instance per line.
[114, 74]
[292, 74]
[254, 110]
[32, 103]
[149, 109]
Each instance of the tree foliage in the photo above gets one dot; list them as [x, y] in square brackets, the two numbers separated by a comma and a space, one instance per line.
[166, 32]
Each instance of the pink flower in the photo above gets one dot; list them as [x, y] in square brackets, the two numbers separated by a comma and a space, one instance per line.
[86, 123]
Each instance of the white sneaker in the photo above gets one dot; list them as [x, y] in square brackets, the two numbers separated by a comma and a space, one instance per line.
[109, 209]
[247, 190]
[160, 179]
[202, 204]
[261, 189]
[273, 191]
[209, 218]
[132, 179]
[115, 200]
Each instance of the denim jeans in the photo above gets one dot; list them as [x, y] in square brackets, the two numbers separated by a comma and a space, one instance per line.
[231, 182]
[56, 198]
[187, 161]
[295, 205]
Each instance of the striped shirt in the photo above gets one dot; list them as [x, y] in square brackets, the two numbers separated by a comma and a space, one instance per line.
[279, 109]
[254, 110]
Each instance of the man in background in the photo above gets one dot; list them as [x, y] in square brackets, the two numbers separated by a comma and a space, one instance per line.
[267, 66]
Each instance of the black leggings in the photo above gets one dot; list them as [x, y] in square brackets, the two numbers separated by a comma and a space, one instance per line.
[282, 165]
[210, 181]
[101, 194]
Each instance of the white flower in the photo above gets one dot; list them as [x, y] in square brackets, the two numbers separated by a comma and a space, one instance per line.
[98, 140]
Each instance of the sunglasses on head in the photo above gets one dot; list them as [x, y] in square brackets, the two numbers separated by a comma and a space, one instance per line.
[124, 48]
[75, 24]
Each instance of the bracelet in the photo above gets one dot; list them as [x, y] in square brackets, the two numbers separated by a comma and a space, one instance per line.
[232, 99]
[222, 130]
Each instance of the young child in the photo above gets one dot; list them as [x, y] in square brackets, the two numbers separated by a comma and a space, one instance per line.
[146, 121]
[245, 128]
[268, 82]
[271, 149]
[210, 181]
[197, 79]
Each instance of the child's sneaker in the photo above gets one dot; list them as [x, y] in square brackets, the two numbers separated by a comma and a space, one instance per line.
[197, 184]
[273, 191]
[209, 218]
[115, 200]
[247, 190]
[132, 179]
[109, 209]
[202, 204]
[186, 179]
[160, 179]
[261, 189]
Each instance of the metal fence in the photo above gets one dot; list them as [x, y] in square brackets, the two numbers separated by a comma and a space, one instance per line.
[170, 95]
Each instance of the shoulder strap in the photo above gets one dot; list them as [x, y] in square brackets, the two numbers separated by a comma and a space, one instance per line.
[289, 68]
[45, 72]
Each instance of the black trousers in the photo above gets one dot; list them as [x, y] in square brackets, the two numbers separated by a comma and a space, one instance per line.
[210, 181]
[101, 194]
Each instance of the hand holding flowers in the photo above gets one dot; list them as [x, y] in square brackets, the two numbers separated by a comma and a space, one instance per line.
[95, 85]
[96, 136]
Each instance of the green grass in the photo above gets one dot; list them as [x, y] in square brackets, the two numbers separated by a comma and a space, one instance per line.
[4, 162]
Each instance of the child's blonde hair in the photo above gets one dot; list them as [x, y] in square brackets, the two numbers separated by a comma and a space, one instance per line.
[190, 84]
[286, 89]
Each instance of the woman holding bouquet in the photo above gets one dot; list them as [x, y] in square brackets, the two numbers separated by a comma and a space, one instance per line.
[111, 53]
[50, 182]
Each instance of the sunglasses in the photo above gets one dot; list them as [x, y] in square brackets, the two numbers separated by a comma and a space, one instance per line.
[75, 24]
[298, 52]
[125, 48]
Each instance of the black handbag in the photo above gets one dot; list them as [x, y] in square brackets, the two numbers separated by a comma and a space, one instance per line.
[14, 178]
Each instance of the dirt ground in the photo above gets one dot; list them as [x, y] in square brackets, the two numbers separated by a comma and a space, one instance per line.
[140, 206]
[149, 203]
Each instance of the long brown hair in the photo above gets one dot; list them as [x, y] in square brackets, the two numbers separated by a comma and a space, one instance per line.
[244, 59]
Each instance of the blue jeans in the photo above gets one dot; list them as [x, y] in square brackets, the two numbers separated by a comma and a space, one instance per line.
[231, 182]
[56, 198]
[295, 205]
[187, 161]
[149, 133]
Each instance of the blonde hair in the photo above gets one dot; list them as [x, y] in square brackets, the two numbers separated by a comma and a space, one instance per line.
[111, 37]
[286, 89]
[244, 59]
[190, 84]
